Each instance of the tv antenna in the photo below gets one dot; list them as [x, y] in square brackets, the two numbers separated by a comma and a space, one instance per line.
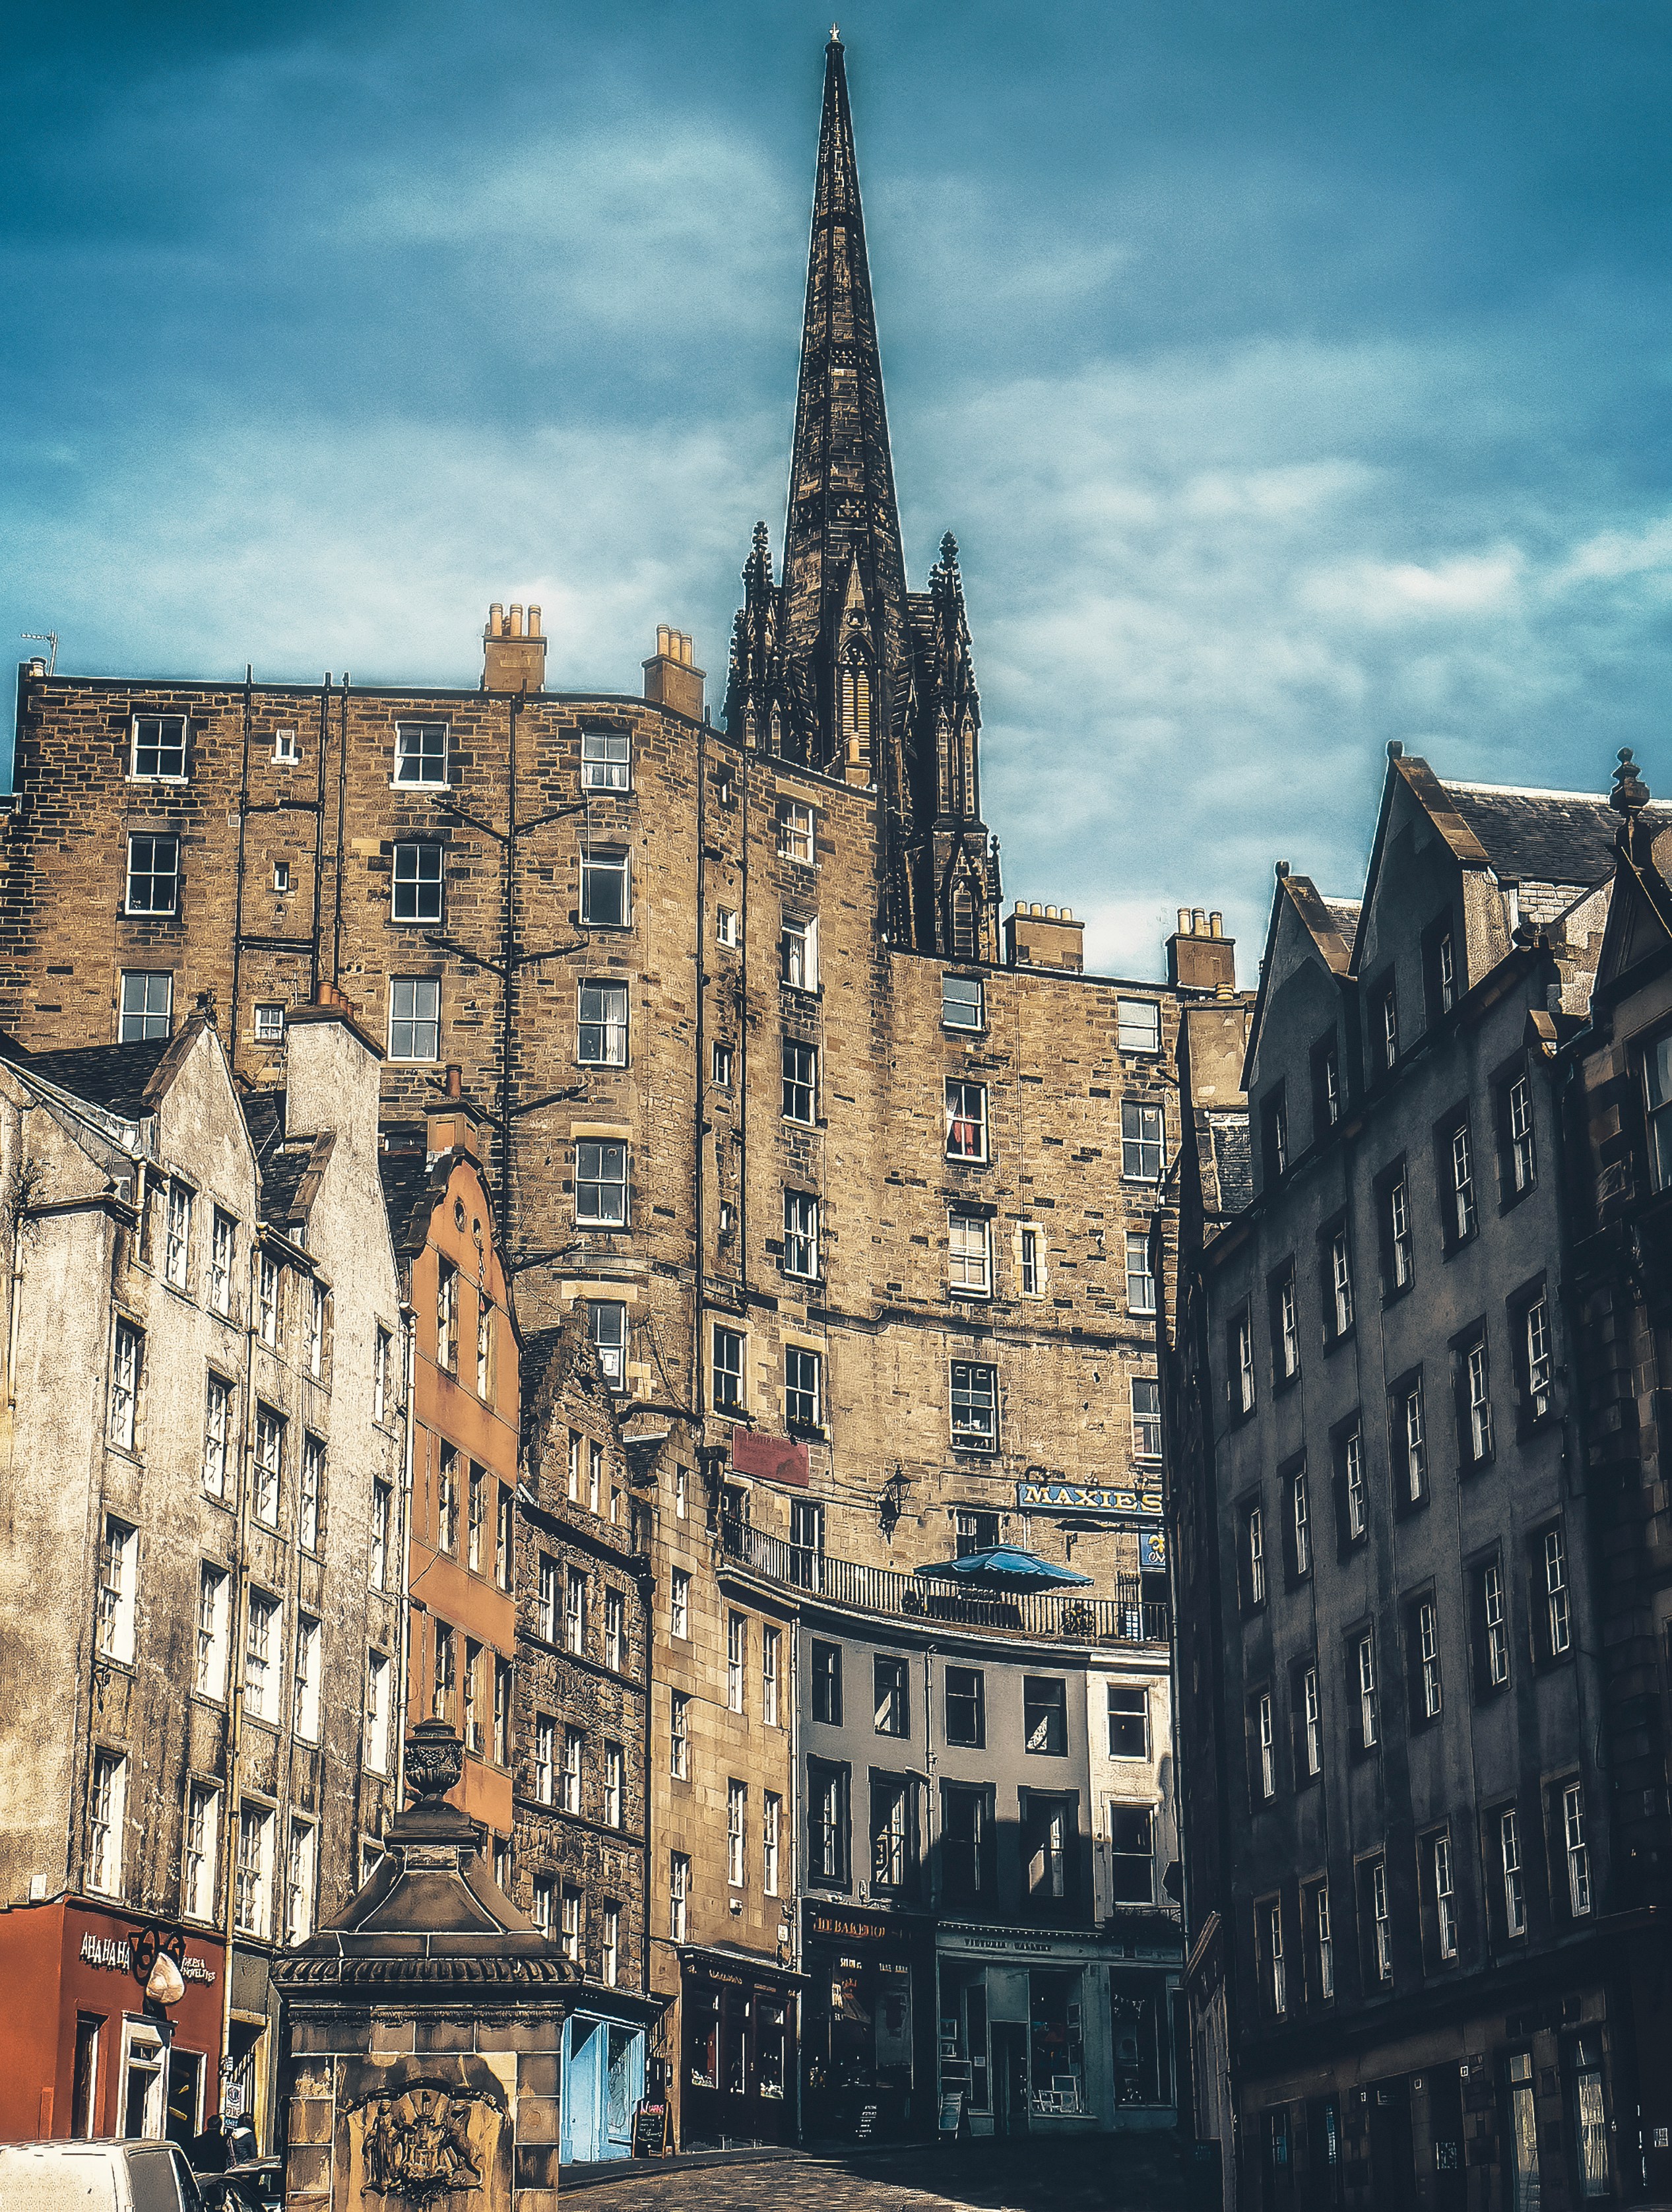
[44, 637]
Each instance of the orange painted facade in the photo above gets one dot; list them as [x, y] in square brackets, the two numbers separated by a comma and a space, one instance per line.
[466, 1412]
[84, 2050]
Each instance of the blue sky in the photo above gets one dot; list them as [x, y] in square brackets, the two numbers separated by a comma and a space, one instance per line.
[1295, 375]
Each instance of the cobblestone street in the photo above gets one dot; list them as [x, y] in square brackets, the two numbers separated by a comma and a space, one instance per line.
[1131, 2173]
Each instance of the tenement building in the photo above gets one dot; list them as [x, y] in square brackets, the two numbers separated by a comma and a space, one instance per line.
[199, 1622]
[848, 1174]
[1405, 1948]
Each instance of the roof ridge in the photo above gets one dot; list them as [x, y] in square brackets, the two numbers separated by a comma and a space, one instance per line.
[1529, 791]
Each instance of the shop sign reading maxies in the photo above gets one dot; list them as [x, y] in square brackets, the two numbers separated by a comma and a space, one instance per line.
[1091, 1497]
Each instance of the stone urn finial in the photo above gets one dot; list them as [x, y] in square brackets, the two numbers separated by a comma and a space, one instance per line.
[435, 1761]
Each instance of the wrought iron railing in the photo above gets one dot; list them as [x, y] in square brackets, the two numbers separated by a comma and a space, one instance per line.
[1043, 1617]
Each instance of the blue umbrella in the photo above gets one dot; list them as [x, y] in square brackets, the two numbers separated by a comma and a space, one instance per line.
[1004, 1567]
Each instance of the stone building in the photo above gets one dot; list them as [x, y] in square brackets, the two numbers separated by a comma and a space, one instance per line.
[1404, 1950]
[462, 1350]
[1620, 1068]
[201, 1673]
[581, 1734]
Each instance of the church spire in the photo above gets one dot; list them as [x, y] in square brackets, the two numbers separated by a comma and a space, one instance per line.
[844, 606]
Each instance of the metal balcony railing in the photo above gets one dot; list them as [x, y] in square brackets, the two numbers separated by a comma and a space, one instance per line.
[1041, 1617]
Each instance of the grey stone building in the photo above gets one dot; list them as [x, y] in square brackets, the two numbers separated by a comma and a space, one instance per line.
[1402, 1949]
[200, 1575]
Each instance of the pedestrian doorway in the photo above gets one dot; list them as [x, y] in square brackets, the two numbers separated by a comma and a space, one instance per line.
[1010, 2078]
[603, 2081]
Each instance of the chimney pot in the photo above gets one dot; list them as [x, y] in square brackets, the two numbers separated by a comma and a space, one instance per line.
[516, 621]
[1216, 925]
[496, 620]
[515, 659]
[671, 677]
[1184, 922]
[533, 622]
[455, 1074]
[1198, 922]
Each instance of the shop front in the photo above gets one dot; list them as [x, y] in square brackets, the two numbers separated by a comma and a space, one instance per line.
[1047, 2033]
[121, 2031]
[604, 2080]
[869, 2033]
[740, 2034]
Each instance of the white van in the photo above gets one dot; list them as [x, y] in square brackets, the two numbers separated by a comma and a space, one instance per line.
[96, 2176]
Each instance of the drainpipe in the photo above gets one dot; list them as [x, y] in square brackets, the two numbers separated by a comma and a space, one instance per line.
[401, 1689]
[237, 1631]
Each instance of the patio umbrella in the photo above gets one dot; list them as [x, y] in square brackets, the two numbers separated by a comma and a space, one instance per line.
[1003, 1567]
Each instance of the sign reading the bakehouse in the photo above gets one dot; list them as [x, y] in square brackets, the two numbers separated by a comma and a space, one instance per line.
[1091, 1497]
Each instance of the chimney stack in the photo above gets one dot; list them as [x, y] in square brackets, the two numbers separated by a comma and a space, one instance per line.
[1199, 956]
[513, 656]
[671, 678]
[1044, 937]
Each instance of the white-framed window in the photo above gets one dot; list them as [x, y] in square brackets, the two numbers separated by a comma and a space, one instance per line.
[253, 1913]
[1340, 1282]
[126, 1368]
[108, 1801]
[280, 875]
[1368, 1713]
[1416, 1443]
[801, 1235]
[574, 1744]
[721, 1066]
[772, 1820]
[415, 884]
[1243, 1381]
[1326, 1943]
[966, 1120]
[1479, 1402]
[1428, 1659]
[305, 1718]
[263, 1655]
[602, 1034]
[974, 1399]
[119, 1576]
[269, 1464]
[1558, 1623]
[1445, 971]
[769, 1647]
[800, 1081]
[159, 748]
[486, 1363]
[570, 1930]
[1275, 1954]
[1463, 1215]
[725, 926]
[503, 1684]
[795, 833]
[1030, 1260]
[1312, 1721]
[1267, 1745]
[545, 1752]
[1353, 1470]
[1538, 1357]
[1445, 1900]
[606, 760]
[736, 1814]
[1301, 1512]
[1515, 1886]
[1496, 1626]
[377, 1564]
[199, 1850]
[1146, 1418]
[539, 1906]
[311, 1494]
[678, 1741]
[607, 888]
[213, 1611]
[1389, 1028]
[1399, 1234]
[594, 1474]
[607, 1319]
[971, 1263]
[611, 1945]
[801, 1387]
[1575, 1849]
[1255, 1533]
[300, 1858]
[727, 1370]
[1524, 1156]
[1140, 1279]
[268, 1289]
[177, 1236]
[678, 1493]
[1657, 1107]
[1143, 1141]
[679, 1893]
[376, 1712]
[600, 1183]
[222, 1251]
[1140, 1024]
[574, 1610]
[444, 1673]
[421, 753]
[961, 1002]
[614, 1617]
[798, 951]
[679, 1603]
[148, 1005]
[737, 1660]
[415, 1018]
[612, 1785]
[1129, 1721]
[286, 750]
[1381, 1925]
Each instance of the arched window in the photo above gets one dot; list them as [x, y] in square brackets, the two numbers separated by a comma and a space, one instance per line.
[964, 921]
[854, 698]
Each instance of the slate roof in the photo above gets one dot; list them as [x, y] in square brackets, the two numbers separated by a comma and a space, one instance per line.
[409, 1195]
[280, 1166]
[1233, 1161]
[112, 1077]
[1550, 836]
[1345, 913]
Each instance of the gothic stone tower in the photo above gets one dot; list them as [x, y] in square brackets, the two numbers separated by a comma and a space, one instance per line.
[840, 667]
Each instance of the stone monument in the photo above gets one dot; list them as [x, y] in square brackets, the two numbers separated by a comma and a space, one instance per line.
[424, 2032]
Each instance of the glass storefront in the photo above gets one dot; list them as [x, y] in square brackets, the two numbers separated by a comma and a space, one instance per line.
[865, 2073]
[739, 2054]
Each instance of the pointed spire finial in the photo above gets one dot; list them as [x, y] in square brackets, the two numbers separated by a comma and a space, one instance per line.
[835, 36]
[1630, 794]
